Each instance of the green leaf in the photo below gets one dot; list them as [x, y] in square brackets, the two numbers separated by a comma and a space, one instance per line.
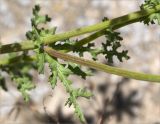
[24, 85]
[54, 73]
[53, 79]
[76, 69]
[36, 33]
[72, 101]
[62, 72]
[110, 47]
[40, 62]
[36, 9]
[148, 4]
[19, 72]
[83, 93]
[38, 19]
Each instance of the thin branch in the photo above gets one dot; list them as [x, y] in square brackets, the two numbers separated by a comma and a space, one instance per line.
[102, 67]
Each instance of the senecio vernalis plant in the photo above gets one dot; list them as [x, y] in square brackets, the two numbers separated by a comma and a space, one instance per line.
[51, 48]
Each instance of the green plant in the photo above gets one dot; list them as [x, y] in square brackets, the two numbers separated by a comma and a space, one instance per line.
[49, 47]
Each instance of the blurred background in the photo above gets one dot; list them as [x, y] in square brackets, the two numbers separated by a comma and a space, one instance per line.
[116, 99]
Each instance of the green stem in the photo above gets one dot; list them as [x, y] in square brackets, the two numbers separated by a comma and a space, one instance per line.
[102, 67]
[120, 21]
[12, 60]
[113, 23]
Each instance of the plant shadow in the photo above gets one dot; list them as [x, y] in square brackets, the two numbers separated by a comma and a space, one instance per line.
[120, 104]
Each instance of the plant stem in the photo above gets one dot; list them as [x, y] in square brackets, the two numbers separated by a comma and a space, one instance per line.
[12, 60]
[122, 21]
[113, 23]
[102, 67]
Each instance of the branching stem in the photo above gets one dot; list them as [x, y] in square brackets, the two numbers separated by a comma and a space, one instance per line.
[99, 31]
[99, 27]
